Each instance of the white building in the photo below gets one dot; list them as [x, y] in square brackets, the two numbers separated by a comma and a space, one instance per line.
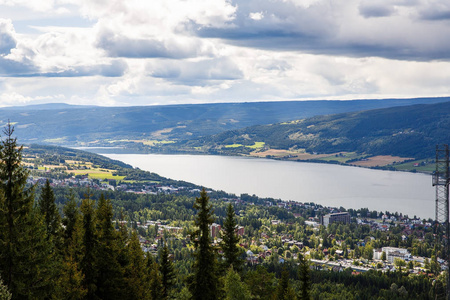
[392, 253]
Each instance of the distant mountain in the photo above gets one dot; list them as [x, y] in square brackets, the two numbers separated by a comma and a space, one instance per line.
[407, 131]
[69, 125]
[45, 106]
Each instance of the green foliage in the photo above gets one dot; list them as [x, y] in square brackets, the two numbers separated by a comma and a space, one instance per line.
[167, 271]
[205, 282]
[305, 279]
[230, 239]
[49, 211]
[25, 255]
[4, 293]
[235, 289]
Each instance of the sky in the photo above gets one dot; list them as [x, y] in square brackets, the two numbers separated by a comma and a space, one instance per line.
[148, 52]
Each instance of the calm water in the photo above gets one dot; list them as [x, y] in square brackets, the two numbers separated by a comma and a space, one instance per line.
[326, 184]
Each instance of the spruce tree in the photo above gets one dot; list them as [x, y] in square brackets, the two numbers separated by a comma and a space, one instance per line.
[48, 210]
[230, 240]
[4, 293]
[136, 279]
[25, 255]
[304, 276]
[90, 243]
[167, 271]
[110, 273]
[204, 285]
[70, 285]
[235, 288]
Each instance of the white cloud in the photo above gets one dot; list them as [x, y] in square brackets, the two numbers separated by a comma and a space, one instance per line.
[117, 52]
[256, 16]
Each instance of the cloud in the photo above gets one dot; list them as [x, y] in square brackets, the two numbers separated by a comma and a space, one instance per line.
[7, 39]
[372, 9]
[355, 28]
[435, 11]
[196, 73]
[173, 47]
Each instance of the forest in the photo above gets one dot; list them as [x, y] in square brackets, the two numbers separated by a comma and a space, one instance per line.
[81, 243]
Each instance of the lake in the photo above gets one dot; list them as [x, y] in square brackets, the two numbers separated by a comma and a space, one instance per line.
[326, 184]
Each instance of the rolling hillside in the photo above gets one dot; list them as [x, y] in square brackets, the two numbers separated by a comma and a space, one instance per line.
[62, 124]
[407, 131]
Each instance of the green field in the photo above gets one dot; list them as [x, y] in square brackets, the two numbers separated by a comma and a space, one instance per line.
[425, 165]
[342, 158]
[257, 145]
[103, 176]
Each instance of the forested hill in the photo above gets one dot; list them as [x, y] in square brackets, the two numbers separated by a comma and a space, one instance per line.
[105, 126]
[407, 131]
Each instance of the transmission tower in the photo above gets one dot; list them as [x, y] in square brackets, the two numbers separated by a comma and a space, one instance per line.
[441, 180]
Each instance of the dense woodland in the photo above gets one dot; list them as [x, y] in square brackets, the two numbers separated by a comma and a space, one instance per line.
[79, 243]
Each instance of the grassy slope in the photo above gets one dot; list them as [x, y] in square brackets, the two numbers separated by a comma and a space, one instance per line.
[73, 125]
[410, 131]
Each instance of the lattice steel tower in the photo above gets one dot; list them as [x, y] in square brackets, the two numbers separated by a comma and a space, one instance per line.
[441, 180]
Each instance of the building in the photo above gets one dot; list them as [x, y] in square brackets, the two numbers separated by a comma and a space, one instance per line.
[392, 253]
[215, 228]
[342, 217]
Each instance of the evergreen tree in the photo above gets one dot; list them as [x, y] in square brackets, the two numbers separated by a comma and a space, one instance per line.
[47, 208]
[156, 284]
[305, 281]
[235, 288]
[25, 255]
[136, 278]
[204, 285]
[70, 284]
[90, 246]
[4, 293]
[110, 273]
[167, 271]
[283, 285]
[230, 241]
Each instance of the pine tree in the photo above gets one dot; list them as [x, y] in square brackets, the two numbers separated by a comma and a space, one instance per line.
[70, 285]
[136, 279]
[4, 293]
[283, 285]
[235, 288]
[167, 271]
[204, 285]
[25, 255]
[305, 281]
[110, 273]
[90, 243]
[230, 241]
[48, 210]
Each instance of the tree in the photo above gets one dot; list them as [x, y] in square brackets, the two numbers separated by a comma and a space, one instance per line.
[283, 285]
[235, 288]
[230, 240]
[304, 276]
[90, 243]
[4, 293]
[47, 208]
[383, 256]
[25, 255]
[136, 270]
[204, 284]
[167, 272]
[110, 273]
